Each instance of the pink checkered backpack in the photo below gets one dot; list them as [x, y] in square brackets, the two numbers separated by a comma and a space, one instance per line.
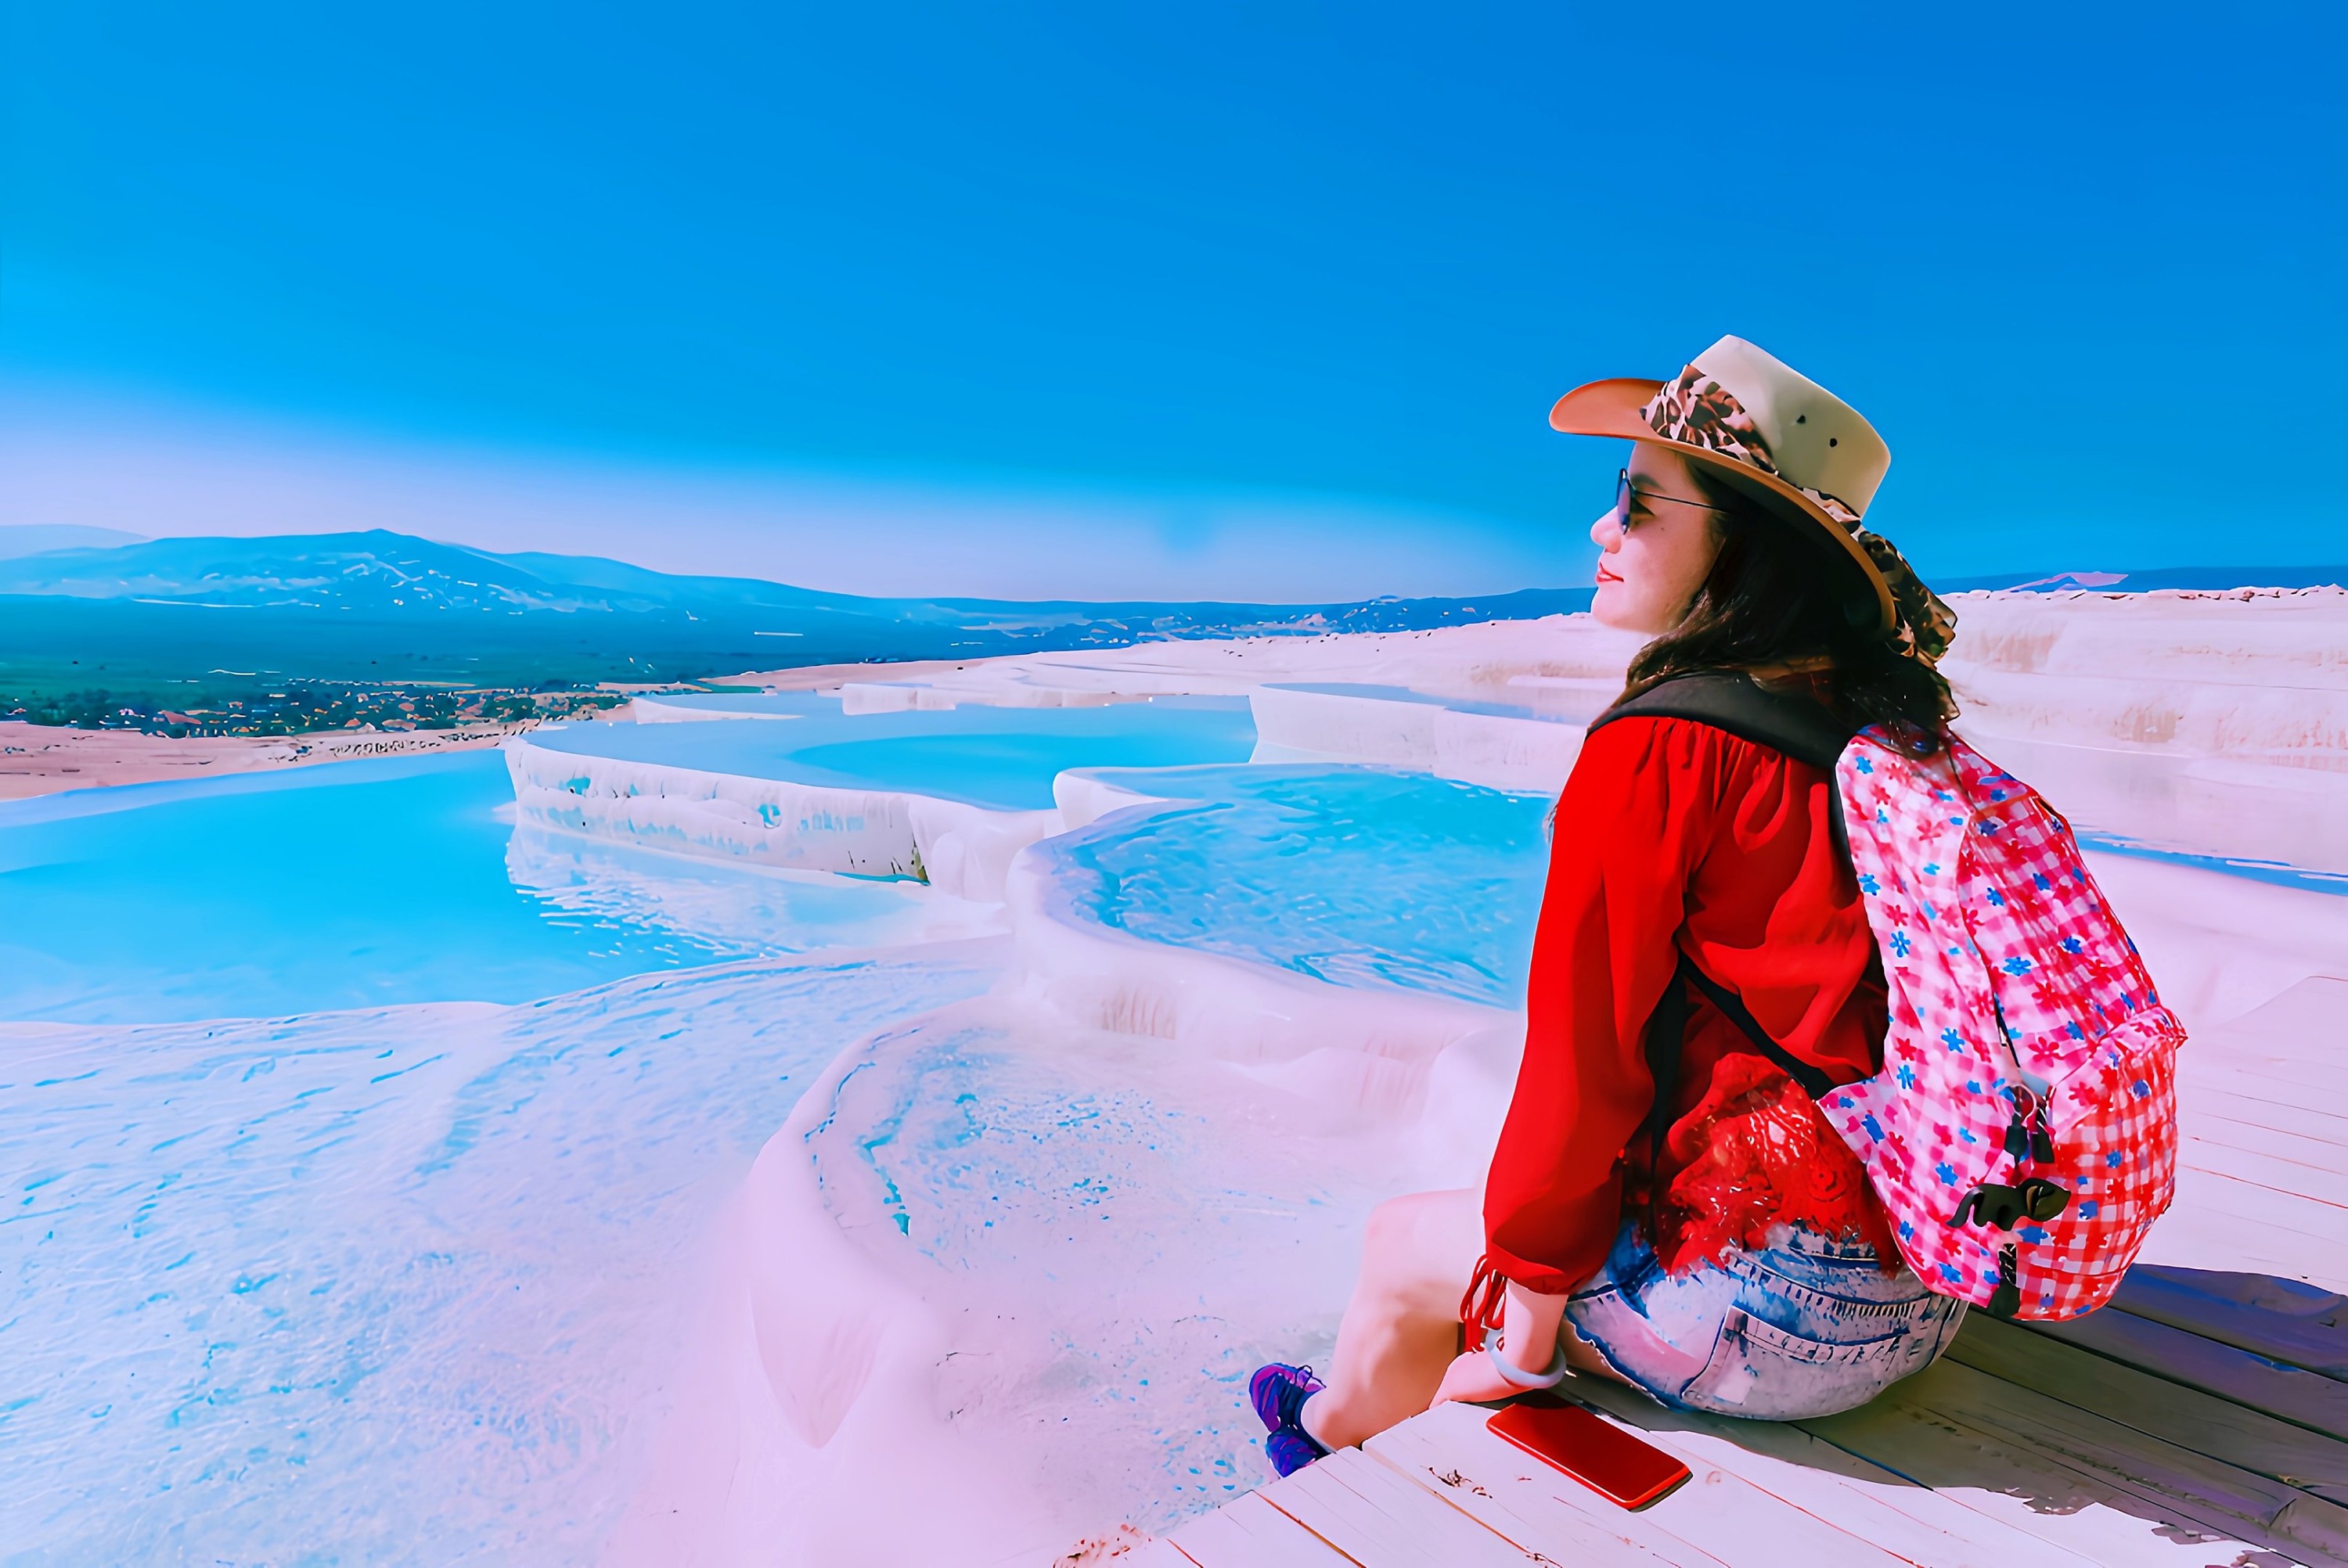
[2022, 1134]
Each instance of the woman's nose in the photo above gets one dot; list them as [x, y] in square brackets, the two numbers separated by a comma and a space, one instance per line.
[1606, 533]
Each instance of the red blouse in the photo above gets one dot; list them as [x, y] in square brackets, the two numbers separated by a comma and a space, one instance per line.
[1673, 835]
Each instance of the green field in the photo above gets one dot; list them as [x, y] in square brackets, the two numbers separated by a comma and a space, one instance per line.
[82, 662]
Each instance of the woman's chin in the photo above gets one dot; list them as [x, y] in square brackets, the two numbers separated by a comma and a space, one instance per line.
[1611, 606]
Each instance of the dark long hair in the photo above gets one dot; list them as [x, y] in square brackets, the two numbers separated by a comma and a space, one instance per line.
[1778, 595]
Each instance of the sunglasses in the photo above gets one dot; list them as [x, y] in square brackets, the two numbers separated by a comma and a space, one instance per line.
[1627, 495]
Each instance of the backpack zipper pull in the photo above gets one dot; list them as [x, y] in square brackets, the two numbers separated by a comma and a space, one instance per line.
[2029, 1130]
[2019, 1145]
[2006, 1299]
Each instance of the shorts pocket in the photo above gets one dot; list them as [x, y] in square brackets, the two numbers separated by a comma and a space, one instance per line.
[1768, 1373]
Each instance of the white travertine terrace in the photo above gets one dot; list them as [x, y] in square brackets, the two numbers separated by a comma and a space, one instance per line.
[963, 851]
[2214, 722]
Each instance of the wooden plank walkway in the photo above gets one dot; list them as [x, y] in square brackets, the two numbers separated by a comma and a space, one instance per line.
[2201, 1420]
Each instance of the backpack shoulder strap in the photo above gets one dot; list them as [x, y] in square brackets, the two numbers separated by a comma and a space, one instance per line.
[1731, 700]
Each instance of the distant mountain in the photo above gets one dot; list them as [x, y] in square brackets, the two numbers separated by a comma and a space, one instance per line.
[381, 575]
[387, 607]
[378, 574]
[2195, 577]
[31, 538]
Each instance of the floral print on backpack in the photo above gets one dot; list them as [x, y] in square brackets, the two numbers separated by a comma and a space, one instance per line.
[2023, 1132]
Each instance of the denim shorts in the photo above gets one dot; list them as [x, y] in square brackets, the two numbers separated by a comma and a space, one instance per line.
[1807, 1328]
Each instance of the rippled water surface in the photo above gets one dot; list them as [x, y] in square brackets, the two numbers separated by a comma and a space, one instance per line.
[1350, 874]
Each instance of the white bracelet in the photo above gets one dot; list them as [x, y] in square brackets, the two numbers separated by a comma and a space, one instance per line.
[1521, 1379]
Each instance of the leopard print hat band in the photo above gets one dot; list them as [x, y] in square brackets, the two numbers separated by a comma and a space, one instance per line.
[1695, 410]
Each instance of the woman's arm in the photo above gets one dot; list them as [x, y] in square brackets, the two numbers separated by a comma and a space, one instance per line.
[1637, 817]
[1634, 821]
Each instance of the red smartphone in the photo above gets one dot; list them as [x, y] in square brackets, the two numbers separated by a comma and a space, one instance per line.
[1602, 1456]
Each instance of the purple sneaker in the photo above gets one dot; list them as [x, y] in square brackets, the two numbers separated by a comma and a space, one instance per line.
[1291, 1449]
[1278, 1392]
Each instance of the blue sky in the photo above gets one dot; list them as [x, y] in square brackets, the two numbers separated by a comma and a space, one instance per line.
[1238, 299]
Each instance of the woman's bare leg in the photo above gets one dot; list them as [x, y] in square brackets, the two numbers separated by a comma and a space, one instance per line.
[1401, 1329]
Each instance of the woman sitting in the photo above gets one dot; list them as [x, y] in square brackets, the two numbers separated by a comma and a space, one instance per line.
[1723, 1253]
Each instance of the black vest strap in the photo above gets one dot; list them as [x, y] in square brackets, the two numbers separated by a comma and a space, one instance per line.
[1814, 1081]
[1666, 1026]
[1801, 728]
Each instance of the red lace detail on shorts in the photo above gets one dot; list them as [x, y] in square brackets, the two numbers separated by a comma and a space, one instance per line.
[1754, 1155]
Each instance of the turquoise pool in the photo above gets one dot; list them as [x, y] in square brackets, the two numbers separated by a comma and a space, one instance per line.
[1004, 759]
[1352, 874]
[349, 884]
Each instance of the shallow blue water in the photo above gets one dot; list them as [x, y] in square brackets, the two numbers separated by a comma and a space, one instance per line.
[1001, 758]
[345, 885]
[1350, 874]
[766, 705]
[1364, 875]
[399, 880]
[2279, 873]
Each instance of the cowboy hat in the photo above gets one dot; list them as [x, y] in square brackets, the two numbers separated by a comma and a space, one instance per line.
[1777, 435]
